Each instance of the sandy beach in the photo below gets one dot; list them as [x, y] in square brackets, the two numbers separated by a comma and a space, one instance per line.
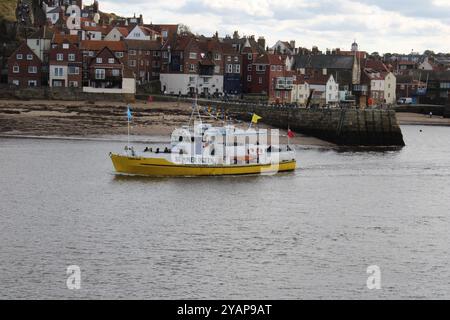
[75, 119]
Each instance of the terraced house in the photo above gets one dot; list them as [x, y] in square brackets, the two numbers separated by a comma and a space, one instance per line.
[65, 65]
[192, 65]
[24, 68]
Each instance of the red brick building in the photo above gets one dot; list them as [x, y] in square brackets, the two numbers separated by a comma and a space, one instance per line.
[268, 76]
[24, 68]
[65, 65]
[105, 70]
[144, 59]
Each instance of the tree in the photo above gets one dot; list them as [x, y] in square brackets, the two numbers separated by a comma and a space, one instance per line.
[184, 29]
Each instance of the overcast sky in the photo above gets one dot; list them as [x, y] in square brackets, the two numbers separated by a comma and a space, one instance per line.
[377, 25]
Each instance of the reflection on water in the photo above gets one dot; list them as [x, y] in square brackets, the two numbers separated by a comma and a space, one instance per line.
[307, 234]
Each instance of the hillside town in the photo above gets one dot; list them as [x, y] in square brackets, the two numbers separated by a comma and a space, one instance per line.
[77, 46]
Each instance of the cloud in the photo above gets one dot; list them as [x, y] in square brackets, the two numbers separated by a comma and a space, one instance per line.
[377, 25]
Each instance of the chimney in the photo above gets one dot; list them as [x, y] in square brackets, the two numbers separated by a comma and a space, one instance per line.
[262, 42]
[292, 43]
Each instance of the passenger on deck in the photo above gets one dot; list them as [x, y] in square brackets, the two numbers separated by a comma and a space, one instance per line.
[166, 150]
[157, 150]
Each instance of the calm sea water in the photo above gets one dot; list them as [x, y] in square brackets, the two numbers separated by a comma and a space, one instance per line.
[302, 235]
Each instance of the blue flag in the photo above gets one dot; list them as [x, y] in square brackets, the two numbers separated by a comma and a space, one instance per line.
[129, 116]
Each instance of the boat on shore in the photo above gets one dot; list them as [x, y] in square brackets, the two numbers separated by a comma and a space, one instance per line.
[204, 150]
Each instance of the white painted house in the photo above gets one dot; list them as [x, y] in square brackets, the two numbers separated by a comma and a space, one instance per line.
[53, 14]
[390, 86]
[142, 33]
[175, 83]
[117, 34]
[327, 92]
[40, 42]
[300, 93]
[332, 91]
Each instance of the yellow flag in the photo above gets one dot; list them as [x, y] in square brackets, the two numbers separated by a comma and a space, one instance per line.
[255, 118]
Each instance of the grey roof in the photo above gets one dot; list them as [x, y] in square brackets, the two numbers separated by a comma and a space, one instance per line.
[324, 61]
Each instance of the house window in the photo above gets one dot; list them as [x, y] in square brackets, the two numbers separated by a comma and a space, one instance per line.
[100, 74]
[59, 57]
[237, 68]
[91, 53]
[217, 56]
[132, 52]
[29, 57]
[147, 53]
[59, 72]
[229, 59]
[229, 68]
[111, 60]
[273, 68]
[16, 82]
[164, 33]
[132, 63]
[16, 69]
[116, 72]
[119, 55]
[73, 84]
[217, 69]
[65, 46]
[278, 94]
[32, 83]
[260, 80]
[19, 56]
[71, 57]
[249, 67]
[57, 83]
[99, 60]
[249, 78]
[249, 56]
[192, 55]
[236, 59]
[280, 68]
[165, 54]
[73, 70]
[260, 68]
[192, 67]
[32, 69]
[156, 53]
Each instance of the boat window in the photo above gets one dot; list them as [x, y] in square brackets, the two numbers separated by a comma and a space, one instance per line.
[192, 139]
[180, 139]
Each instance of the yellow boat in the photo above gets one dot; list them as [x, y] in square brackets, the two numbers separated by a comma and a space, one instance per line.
[162, 167]
[204, 150]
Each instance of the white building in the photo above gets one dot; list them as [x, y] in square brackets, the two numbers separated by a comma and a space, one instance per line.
[142, 33]
[332, 91]
[390, 86]
[40, 42]
[284, 47]
[426, 65]
[117, 34]
[175, 83]
[300, 93]
[58, 75]
[53, 14]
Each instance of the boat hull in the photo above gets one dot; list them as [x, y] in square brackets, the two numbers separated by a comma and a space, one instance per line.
[163, 167]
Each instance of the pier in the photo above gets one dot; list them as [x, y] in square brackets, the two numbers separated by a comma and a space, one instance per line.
[344, 127]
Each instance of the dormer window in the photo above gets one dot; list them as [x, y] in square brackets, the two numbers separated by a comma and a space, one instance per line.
[65, 46]
[19, 56]
[29, 57]
[99, 60]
